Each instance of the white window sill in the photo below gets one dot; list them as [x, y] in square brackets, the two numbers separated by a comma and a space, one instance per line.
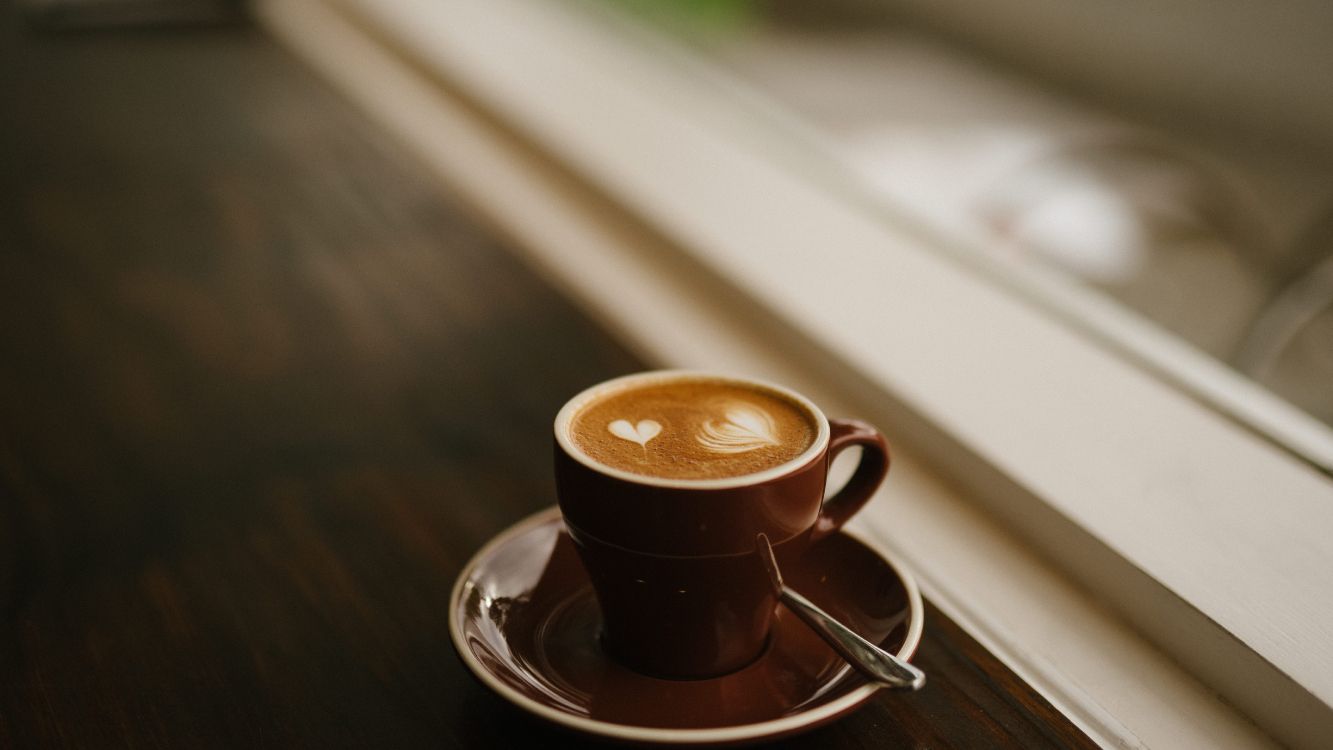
[1235, 592]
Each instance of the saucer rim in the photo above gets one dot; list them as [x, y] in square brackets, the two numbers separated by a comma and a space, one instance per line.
[666, 735]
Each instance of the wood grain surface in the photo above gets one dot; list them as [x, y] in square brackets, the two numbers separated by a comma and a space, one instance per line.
[263, 390]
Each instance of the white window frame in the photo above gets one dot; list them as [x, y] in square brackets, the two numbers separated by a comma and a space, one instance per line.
[707, 246]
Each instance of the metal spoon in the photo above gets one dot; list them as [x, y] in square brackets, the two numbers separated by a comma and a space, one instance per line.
[869, 659]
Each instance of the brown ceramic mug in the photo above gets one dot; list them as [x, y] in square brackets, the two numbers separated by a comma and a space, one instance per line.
[672, 560]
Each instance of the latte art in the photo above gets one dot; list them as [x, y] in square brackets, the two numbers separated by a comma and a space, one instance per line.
[693, 428]
[745, 428]
[639, 433]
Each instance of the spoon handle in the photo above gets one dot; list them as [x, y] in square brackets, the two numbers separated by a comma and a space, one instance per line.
[871, 660]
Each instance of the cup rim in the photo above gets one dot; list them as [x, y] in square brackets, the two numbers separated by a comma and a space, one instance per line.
[565, 417]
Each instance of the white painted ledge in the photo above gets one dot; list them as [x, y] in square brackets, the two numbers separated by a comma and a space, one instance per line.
[1089, 662]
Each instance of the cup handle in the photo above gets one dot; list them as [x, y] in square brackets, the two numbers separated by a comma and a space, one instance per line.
[870, 472]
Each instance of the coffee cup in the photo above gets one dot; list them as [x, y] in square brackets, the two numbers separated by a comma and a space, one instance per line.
[665, 479]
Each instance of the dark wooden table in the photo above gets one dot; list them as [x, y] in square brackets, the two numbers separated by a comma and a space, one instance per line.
[263, 390]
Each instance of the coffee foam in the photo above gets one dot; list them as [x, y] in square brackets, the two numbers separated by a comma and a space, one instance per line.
[692, 428]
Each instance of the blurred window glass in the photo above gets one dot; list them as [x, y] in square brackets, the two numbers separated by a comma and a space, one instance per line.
[1175, 157]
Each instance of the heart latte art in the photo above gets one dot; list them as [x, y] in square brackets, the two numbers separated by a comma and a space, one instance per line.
[693, 429]
[639, 433]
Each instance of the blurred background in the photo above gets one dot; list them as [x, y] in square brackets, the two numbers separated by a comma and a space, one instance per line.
[1176, 159]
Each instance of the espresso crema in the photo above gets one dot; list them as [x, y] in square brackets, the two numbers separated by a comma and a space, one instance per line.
[693, 428]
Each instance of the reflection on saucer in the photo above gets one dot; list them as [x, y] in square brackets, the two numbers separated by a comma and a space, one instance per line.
[526, 622]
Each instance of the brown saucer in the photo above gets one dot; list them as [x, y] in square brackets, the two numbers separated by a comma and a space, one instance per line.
[525, 622]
